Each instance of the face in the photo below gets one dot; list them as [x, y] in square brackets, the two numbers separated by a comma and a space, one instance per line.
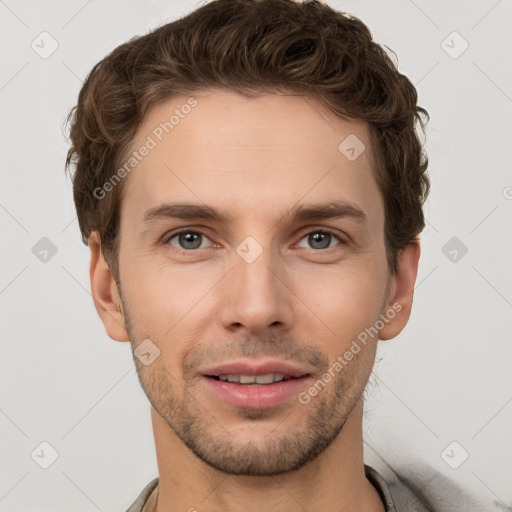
[252, 248]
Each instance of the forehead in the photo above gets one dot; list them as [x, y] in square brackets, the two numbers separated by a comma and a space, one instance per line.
[258, 154]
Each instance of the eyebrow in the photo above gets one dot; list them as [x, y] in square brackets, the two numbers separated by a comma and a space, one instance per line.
[192, 211]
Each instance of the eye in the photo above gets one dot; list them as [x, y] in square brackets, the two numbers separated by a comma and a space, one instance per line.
[321, 239]
[188, 240]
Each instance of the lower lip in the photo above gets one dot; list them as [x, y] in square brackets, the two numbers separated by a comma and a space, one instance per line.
[255, 396]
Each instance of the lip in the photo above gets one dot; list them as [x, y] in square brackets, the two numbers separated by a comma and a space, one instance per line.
[256, 396]
[251, 368]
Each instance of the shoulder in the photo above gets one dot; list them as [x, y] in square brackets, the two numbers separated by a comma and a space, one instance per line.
[141, 500]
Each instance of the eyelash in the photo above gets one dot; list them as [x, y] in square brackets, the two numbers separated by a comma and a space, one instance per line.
[169, 237]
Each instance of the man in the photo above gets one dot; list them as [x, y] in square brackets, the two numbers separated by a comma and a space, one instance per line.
[250, 183]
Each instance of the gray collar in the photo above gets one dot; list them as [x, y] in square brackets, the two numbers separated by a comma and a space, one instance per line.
[371, 474]
[382, 487]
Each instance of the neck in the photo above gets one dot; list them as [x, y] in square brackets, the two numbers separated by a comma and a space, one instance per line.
[333, 482]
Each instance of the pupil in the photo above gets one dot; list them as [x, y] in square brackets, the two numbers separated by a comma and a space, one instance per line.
[321, 238]
[190, 238]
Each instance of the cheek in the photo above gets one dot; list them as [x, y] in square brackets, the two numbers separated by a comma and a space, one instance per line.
[342, 305]
[161, 294]
[167, 305]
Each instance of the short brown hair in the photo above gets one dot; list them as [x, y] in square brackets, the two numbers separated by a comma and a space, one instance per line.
[251, 47]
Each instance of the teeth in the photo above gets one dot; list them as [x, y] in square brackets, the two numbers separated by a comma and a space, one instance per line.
[269, 378]
[264, 379]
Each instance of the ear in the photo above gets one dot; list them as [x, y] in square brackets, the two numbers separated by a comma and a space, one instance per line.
[401, 289]
[107, 300]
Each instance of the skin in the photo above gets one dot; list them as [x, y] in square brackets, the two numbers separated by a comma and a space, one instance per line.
[300, 301]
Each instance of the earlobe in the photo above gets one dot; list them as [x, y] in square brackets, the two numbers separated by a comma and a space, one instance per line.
[107, 300]
[401, 290]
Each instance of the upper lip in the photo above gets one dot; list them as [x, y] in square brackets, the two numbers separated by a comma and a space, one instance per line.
[248, 367]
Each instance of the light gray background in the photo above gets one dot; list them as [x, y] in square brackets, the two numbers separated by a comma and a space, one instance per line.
[445, 378]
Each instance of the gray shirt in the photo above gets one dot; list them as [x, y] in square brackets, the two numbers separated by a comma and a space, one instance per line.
[371, 474]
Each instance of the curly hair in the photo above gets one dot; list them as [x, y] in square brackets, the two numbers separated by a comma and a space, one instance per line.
[251, 47]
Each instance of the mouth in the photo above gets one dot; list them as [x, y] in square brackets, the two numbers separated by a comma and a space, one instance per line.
[268, 378]
[255, 386]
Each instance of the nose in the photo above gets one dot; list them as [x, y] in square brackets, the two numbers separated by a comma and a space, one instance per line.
[257, 295]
